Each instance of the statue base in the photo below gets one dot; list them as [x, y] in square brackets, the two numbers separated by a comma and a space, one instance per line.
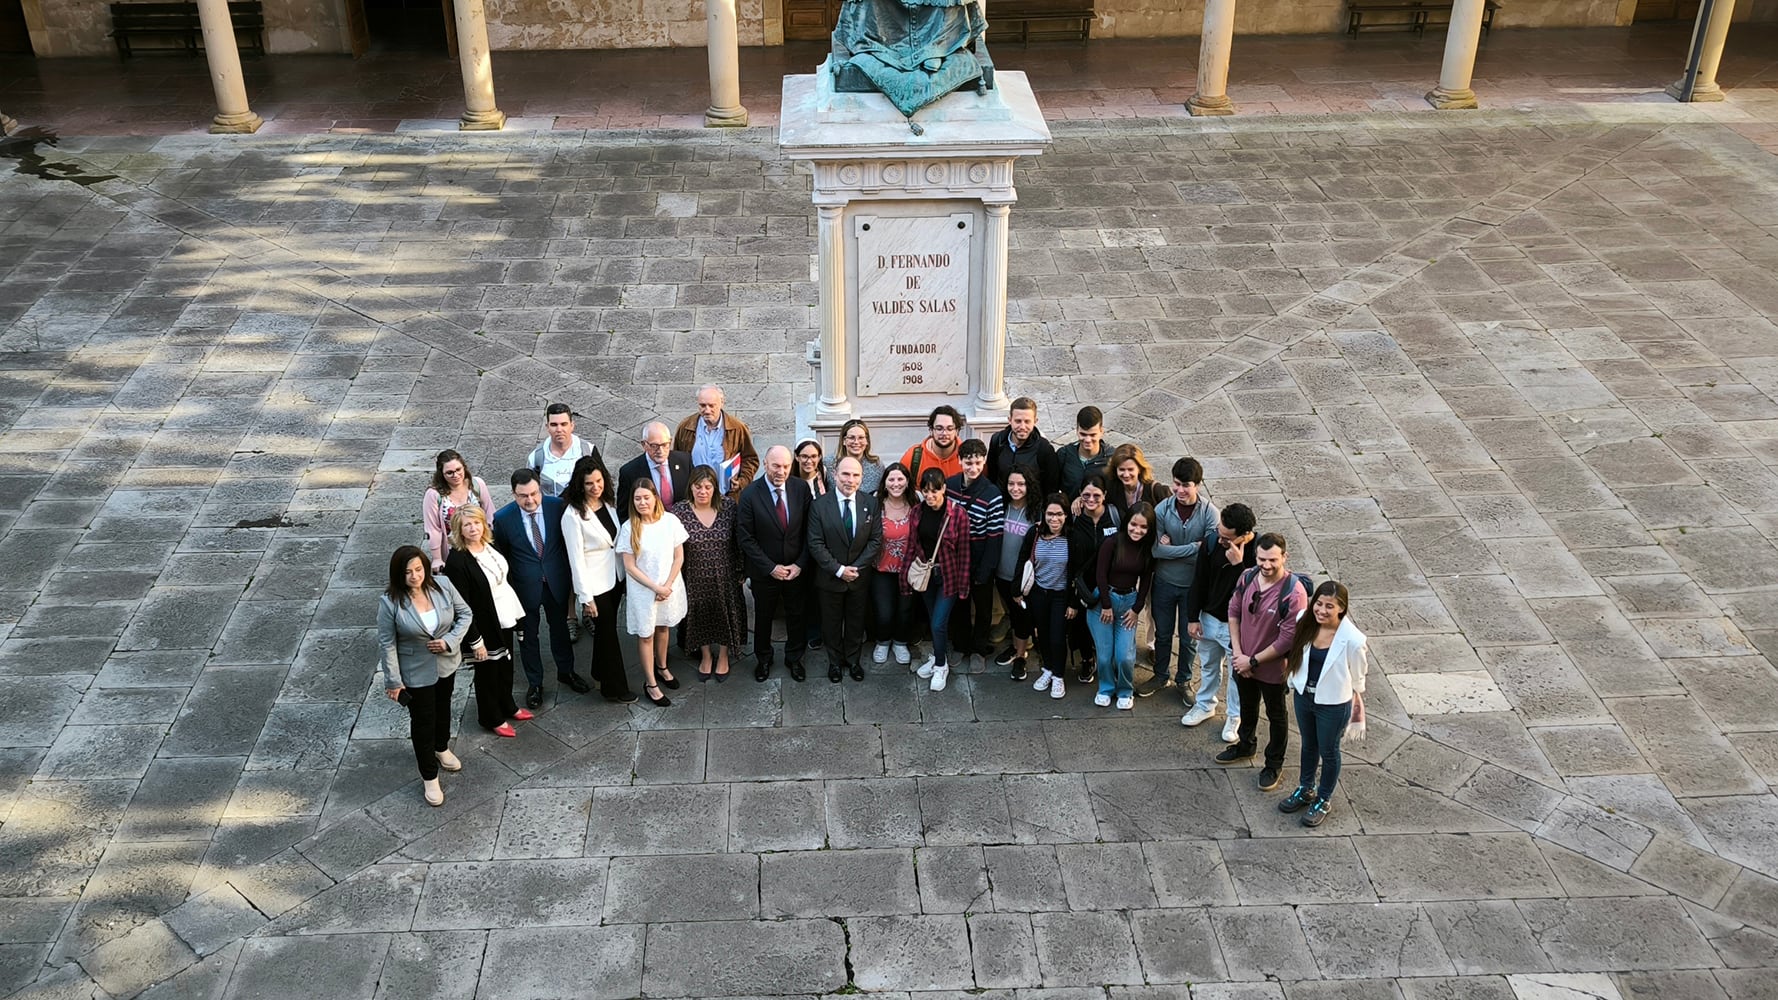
[912, 251]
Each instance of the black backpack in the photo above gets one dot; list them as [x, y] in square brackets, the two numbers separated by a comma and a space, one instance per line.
[1308, 583]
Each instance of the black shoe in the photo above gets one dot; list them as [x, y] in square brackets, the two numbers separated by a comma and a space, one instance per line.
[663, 701]
[1234, 754]
[1087, 675]
[627, 698]
[1005, 657]
[762, 670]
[573, 629]
[857, 671]
[1148, 690]
[1018, 669]
[797, 673]
[670, 682]
[1302, 798]
[815, 643]
[720, 677]
[834, 674]
[534, 697]
[1269, 778]
[575, 683]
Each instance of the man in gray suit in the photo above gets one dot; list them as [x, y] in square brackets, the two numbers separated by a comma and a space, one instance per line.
[845, 532]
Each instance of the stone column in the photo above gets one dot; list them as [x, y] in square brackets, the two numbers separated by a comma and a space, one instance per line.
[992, 393]
[723, 43]
[1715, 32]
[232, 113]
[1212, 97]
[480, 114]
[832, 241]
[1461, 40]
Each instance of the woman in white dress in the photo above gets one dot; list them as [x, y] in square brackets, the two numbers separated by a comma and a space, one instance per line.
[652, 544]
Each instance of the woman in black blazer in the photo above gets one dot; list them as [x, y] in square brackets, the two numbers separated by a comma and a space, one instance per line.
[479, 571]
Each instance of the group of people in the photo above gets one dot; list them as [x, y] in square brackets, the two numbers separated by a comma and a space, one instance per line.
[1077, 544]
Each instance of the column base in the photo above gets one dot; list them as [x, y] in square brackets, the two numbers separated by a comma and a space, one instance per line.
[735, 117]
[1199, 105]
[244, 123]
[1451, 100]
[1703, 93]
[826, 410]
[482, 121]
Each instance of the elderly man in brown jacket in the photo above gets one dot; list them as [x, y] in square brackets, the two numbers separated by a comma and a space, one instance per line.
[720, 440]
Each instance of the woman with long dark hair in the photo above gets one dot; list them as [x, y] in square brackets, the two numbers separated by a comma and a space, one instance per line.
[892, 610]
[1126, 572]
[940, 538]
[1328, 661]
[421, 622]
[1024, 509]
[589, 532]
[1055, 558]
[479, 572]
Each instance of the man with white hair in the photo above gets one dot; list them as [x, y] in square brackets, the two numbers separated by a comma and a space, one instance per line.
[719, 439]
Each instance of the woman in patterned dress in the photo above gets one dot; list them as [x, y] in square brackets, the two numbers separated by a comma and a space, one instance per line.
[716, 614]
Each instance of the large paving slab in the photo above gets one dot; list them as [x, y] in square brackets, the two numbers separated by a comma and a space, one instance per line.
[1508, 375]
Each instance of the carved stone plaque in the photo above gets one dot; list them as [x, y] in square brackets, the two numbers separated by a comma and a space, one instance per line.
[914, 303]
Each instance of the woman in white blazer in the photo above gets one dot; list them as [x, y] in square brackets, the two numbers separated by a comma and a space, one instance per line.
[421, 622]
[1328, 659]
[589, 531]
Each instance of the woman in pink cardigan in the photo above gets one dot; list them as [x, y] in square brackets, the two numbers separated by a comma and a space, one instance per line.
[453, 488]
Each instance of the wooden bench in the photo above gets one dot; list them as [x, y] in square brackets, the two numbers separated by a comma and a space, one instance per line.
[1417, 15]
[1074, 18]
[179, 22]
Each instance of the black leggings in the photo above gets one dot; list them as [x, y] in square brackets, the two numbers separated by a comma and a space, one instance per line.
[429, 718]
[892, 612]
[493, 690]
[1049, 610]
[1018, 616]
[607, 665]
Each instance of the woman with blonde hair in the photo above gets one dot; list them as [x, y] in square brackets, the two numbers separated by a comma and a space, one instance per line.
[1132, 481]
[652, 544]
[479, 571]
[855, 443]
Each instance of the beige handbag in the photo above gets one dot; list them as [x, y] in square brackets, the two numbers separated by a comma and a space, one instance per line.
[920, 570]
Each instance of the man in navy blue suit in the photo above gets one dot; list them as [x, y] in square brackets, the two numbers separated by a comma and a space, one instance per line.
[528, 532]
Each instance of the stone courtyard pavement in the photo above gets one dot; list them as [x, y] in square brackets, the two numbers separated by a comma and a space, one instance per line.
[1510, 376]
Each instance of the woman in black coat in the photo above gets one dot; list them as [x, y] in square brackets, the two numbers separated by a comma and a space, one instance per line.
[478, 572]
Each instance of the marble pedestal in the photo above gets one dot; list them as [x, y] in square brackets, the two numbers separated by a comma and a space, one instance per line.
[912, 252]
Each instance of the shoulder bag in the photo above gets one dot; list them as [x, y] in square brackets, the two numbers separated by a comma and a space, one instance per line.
[920, 570]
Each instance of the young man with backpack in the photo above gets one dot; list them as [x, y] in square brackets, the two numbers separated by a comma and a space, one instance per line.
[1263, 613]
[1228, 554]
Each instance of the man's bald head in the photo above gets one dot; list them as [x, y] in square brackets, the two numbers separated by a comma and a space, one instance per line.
[777, 464]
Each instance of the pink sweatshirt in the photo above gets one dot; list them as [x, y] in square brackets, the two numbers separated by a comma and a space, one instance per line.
[436, 511]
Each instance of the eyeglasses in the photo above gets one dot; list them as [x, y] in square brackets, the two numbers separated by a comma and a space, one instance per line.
[654, 444]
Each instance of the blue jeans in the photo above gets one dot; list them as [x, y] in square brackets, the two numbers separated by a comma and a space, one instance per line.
[1116, 643]
[1214, 666]
[1167, 602]
[1321, 727]
[938, 612]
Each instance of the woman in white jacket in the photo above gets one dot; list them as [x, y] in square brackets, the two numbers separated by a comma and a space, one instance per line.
[1328, 660]
[589, 532]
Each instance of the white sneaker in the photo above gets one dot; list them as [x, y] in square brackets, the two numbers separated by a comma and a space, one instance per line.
[434, 794]
[939, 675]
[1056, 689]
[1197, 715]
[902, 654]
[449, 761]
[1102, 700]
[1125, 703]
[1231, 730]
[880, 654]
[1043, 680]
[927, 667]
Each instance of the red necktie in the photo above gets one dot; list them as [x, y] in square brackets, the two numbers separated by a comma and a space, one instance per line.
[666, 484]
[783, 512]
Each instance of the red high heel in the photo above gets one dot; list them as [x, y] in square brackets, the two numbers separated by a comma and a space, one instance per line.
[523, 715]
[505, 729]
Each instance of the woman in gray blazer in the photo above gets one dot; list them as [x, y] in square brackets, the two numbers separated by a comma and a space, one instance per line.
[421, 621]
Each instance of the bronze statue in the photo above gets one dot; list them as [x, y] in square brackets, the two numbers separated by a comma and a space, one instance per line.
[912, 51]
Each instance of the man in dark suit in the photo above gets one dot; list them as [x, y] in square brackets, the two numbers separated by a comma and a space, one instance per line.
[772, 526]
[669, 470]
[528, 532]
[845, 533]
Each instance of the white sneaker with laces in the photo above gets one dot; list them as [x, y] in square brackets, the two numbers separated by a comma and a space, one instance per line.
[1231, 730]
[939, 675]
[449, 761]
[1043, 680]
[880, 654]
[903, 655]
[1125, 703]
[1056, 689]
[927, 667]
[1197, 715]
[1102, 700]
